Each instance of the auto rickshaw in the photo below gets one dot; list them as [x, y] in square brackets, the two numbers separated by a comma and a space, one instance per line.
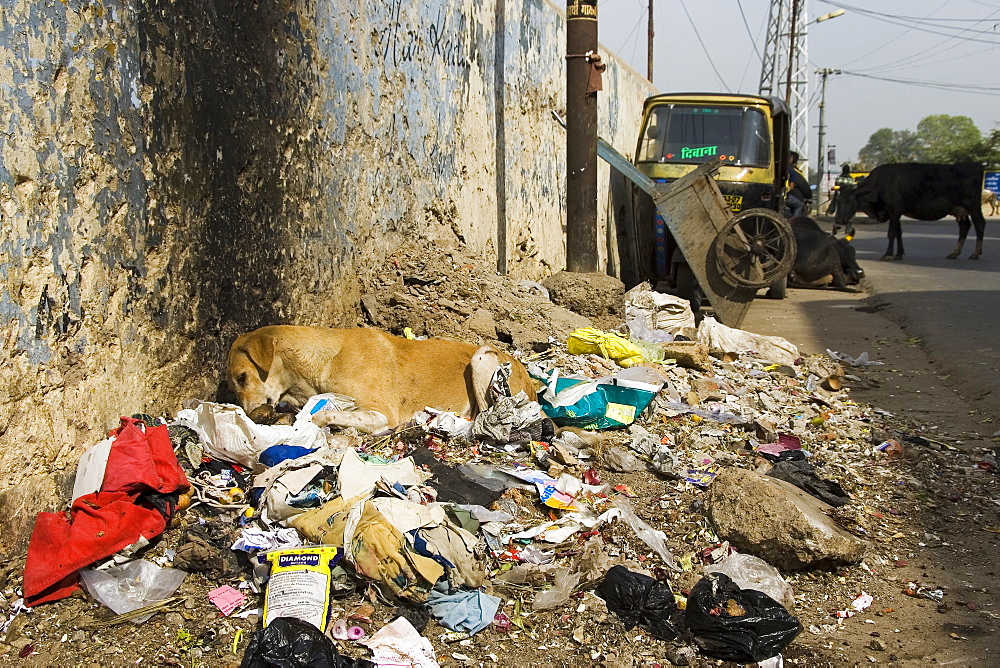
[749, 134]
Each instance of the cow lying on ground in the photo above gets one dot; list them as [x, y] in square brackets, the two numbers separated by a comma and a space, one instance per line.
[820, 255]
[921, 191]
[990, 197]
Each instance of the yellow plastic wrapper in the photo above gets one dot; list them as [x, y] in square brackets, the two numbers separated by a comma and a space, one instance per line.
[610, 346]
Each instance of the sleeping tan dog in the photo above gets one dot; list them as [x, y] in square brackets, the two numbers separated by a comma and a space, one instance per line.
[389, 378]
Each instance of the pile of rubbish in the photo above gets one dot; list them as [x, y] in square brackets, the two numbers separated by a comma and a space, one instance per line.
[408, 547]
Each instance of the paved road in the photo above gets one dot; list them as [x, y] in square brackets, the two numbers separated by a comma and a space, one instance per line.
[952, 306]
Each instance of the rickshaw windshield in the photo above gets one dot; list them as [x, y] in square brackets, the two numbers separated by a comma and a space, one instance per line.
[695, 134]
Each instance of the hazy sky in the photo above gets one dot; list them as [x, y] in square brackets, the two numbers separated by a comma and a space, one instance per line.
[933, 42]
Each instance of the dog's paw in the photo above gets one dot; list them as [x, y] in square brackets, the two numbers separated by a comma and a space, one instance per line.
[366, 421]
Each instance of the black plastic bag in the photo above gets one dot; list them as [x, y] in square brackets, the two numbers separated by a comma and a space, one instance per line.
[417, 615]
[804, 476]
[733, 624]
[639, 599]
[292, 643]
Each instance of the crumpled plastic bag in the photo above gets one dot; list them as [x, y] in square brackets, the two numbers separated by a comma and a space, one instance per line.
[733, 624]
[132, 585]
[660, 454]
[565, 582]
[859, 361]
[590, 340]
[750, 572]
[723, 339]
[292, 643]
[616, 459]
[639, 599]
[515, 419]
[228, 434]
[803, 475]
[657, 317]
[654, 538]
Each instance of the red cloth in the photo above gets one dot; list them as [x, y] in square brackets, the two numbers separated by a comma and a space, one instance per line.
[100, 524]
[97, 526]
[142, 460]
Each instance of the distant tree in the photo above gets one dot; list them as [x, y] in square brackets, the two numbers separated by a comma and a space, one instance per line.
[989, 151]
[888, 145]
[945, 138]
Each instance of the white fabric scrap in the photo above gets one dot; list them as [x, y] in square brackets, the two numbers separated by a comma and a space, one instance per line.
[400, 645]
[406, 516]
[253, 538]
[90, 469]
[551, 532]
[359, 477]
[859, 361]
[720, 338]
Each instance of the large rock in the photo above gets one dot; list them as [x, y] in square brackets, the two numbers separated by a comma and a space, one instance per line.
[778, 522]
[689, 354]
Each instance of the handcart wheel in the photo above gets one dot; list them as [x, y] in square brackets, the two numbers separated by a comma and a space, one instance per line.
[755, 249]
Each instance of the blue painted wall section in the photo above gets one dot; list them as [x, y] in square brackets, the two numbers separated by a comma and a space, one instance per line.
[176, 172]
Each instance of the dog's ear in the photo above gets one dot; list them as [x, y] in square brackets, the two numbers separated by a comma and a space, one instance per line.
[260, 350]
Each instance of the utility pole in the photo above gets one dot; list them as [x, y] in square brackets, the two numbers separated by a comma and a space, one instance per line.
[581, 135]
[821, 165]
[649, 46]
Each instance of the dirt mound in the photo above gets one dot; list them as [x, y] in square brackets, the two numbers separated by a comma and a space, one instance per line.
[451, 294]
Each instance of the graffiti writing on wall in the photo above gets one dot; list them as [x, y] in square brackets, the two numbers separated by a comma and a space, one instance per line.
[430, 41]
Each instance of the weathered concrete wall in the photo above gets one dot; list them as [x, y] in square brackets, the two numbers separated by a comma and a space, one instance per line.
[175, 172]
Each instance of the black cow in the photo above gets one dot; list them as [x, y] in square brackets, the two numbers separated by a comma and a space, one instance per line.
[820, 254]
[921, 191]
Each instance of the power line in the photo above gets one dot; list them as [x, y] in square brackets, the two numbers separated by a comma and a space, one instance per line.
[939, 85]
[631, 35]
[705, 49]
[753, 43]
[885, 44]
[923, 52]
[920, 24]
[900, 17]
[918, 61]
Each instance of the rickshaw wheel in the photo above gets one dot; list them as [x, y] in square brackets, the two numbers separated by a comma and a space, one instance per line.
[755, 249]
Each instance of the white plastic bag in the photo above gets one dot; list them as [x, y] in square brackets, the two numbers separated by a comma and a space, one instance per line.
[654, 316]
[653, 538]
[228, 434]
[565, 583]
[750, 572]
[720, 338]
[132, 585]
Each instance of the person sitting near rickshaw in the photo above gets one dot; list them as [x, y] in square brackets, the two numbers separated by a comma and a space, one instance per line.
[798, 192]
